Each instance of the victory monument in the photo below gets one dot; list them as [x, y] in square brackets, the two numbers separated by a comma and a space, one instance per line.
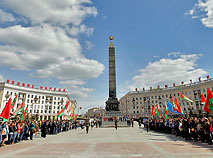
[112, 104]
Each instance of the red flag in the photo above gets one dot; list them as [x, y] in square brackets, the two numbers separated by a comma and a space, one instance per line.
[153, 111]
[14, 101]
[24, 114]
[6, 111]
[69, 110]
[158, 112]
[203, 100]
[178, 106]
[67, 104]
[208, 105]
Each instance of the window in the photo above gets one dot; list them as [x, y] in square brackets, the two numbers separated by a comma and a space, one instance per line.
[156, 101]
[162, 96]
[42, 97]
[166, 96]
[134, 112]
[31, 101]
[137, 107]
[42, 102]
[137, 111]
[152, 101]
[178, 94]
[155, 97]
[140, 98]
[152, 97]
[133, 107]
[174, 95]
[136, 98]
[204, 90]
[55, 98]
[32, 96]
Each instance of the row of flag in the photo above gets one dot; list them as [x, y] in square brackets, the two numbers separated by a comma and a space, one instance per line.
[11, 104]
[175, 107]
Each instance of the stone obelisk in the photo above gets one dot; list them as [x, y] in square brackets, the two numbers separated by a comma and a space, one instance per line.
[112, 104]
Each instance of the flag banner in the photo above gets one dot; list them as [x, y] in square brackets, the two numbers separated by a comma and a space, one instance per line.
[175, 107]
[165, 112]
[6, 111]
[209, 101]
[157, 111]
[179, 109]
[67, 105]
[153, 111]
[24, 114]
[14, 101]
[19, 108]
[61, 113]
[185, 98]
[69, 110]
[203, 99]
[170, 106]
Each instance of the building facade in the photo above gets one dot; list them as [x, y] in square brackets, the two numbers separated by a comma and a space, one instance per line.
[139, 103]
[95, 112]
[42, 102]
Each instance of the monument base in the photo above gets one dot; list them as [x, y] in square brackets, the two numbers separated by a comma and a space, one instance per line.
[110, 114]
[110, 121]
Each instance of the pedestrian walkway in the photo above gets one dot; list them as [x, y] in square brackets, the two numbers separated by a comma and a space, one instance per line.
[107, 143]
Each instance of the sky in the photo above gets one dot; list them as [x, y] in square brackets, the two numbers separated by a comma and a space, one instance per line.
[65, 44]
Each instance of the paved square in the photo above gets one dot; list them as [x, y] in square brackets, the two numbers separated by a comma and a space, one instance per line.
[108, 143]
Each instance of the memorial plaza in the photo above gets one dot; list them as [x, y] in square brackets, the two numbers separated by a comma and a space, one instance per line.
[126, 142]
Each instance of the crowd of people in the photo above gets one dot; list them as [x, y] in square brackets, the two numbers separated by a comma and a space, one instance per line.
[193, 128]
[12, 132]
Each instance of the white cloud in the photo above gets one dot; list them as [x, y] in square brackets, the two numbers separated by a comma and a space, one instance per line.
[1, 78]
[203, 10]
[49, 47]
[56, 12]
[76, 90]
[6, 17]
[167, 71]
[89, 45]
[74, 31]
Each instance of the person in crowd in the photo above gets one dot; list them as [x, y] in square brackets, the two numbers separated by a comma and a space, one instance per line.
[87, 125]
[26, 131]
[116, 123]
[32, 127]
[4, 133]
[44, 129]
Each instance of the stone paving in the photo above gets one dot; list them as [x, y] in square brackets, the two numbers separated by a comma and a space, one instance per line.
[107, 143]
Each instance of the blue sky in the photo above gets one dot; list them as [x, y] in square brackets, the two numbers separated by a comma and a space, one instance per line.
[157, 42]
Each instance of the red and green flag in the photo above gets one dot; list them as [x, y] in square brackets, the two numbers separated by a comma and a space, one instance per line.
[185, 98]
[165, 112]
[157, 111]
[209, 101]
[6, 111]
[67, 105]
[175, 107]
[61, 113]
[19, 108]
[203, 99]
[14, 101]
[69, 110]
[153, 111]
[24, 114]
[179, 109]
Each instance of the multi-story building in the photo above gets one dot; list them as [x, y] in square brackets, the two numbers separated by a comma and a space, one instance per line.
[44, 103]
[139, 103]
[95, 112]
